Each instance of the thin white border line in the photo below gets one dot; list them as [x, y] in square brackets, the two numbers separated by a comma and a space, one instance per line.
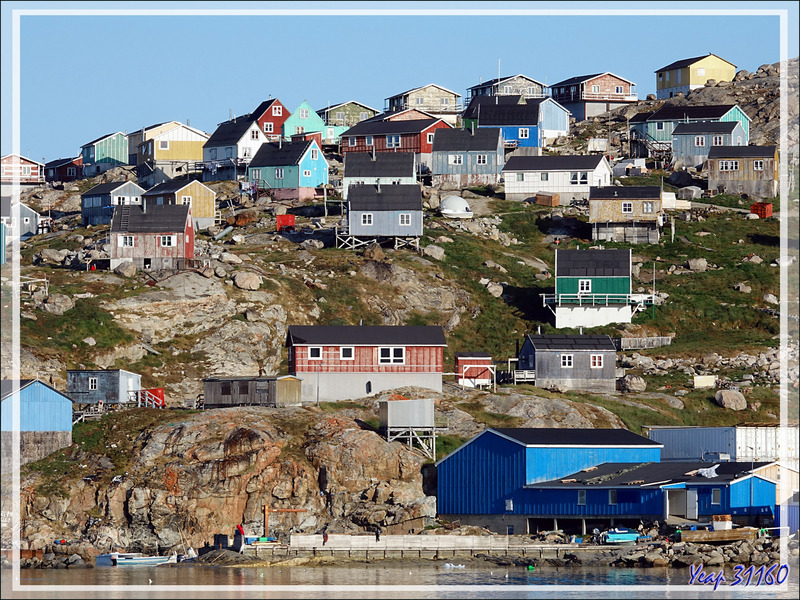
[17, 13]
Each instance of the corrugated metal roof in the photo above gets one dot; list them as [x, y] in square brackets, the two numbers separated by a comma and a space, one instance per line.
[692, 128]
[366, 335]
[532, 436]
[391, 197]
[230, 132]
[613, 192]
[160, 218]
[553, 163]
[464, 140]
[384, 164]
[104, 188]
[741, 152]
[571, 342]
[593, 263]
[379, 127]
[274, 154]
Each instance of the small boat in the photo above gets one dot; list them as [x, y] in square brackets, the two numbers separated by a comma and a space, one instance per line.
[620, 536]
[133, 559]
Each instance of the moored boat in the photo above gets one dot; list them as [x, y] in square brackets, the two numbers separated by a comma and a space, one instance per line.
[132, 559]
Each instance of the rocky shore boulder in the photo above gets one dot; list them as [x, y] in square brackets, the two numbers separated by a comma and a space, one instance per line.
[731, 399]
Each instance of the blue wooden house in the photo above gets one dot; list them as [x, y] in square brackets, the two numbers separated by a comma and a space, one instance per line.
[303, 120]
[289, 170]
[658, 126]
[531, 124]
[485, 481]
[691, 142]
[97, 203]
[467, 157]
[387, 168]
[104, 153]
[45, 419]
[377, 212]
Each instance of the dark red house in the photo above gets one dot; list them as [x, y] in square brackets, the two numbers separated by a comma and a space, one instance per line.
[152, 237]
[348, 361]
[271, 115]
[63, 169]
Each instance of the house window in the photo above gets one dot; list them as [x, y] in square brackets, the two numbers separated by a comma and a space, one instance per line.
[420, 101]
[299, 129]
[92, 384]
[306, 173]
[738, 140]
[596, 362]
[163, 144]
[729, 165]
[315, 353]
[26, 171]
[595, 89]
[125, 241]
[699, 140]
[566, 361]
[279, 173]
[481, 159]
[507, 89]
[627, 207]
[523, 133]
[758, 165]
[186, 200]
[366, 219]
[246, 152]
[303, 113]
[577, 178]
[314, 154]
[545, 176]
[716, 140]
[26, 220]
[455, 159]
[363, 116]
[70, 171]
[581, 497]
[619, 89]
[340, 116]
[346, 353]
[647, 207]
[584, 286]
[520, 176]
[244, 388]
[667, 75]
[444, 101]
[351, 140]
[531, 91]
[267, 127]
[392, 141]
[229, 152]
[393, 356]
[612, 497]
[716, 496]
[701, 71]
[277, 111]
[212, 153]
[369, 140]
[254, 134]
[430, 138]
[167, 241]
[225, 388]
[405, 219]
[660, 126]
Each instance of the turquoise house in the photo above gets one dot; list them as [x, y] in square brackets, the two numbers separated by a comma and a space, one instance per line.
[104, 153]
[289, 170]
[303, 120]
[660, 125]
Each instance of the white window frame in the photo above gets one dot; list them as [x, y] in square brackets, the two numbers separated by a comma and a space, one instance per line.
[163, 144]
[125, 241]
[393, 141]
[524, 133]
[627, 208]
[567, 361]
[279, 173]
[718, 493]
[70, 171]
[619, 89]
[544, 176]
[306, 173]
[758, 165]
[26, 170]
[455, 159]
[302, 113]
[482, 159]
[268, 127]
[405, 219]
[92, 384]
[396, 355]
[366, 219]
[369, 140]
[717, 140]
[314, 349]
[314, 154]
[595, 89]
[351, 140]
[581, 497]
[299, 129]
[701, 71]
[363, 116]
[729, 165]
[699, 141]
[584, 286]
[660, 125]
[430, 138]
[612, 497]
[344, 349]
[507, 89]
[166, 241]
[419, 100]
[254, 134]
[595, 361]
[277, 111]
[648, 207]
[246, 152]
[186, 200]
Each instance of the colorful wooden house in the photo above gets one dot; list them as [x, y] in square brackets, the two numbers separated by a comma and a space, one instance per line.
[349, 362]
[166, 151]
[568, 362]
[19, 220]
[486, 481]
[303, 120]
[569, 176]
[632, 214]
[386, 168]
[104, 153]
[222, 392]
[691, 142]
[289, 170]
[467, 157]
[528, 125]
[97, 203]
[509, 86]
[751, 170]
[338, 118]
[63, 169]
[434, 99]
[688, 74]
[199, 197]
[30, 172]
[270, 116]
[152, 236]
[593, 288]
[45, 420]
[587, 96]
[231, 148]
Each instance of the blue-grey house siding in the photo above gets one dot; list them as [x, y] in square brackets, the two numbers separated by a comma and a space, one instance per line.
[97, 204]
[385, 223]
[112, 386]
[685, 149]
[546, 361]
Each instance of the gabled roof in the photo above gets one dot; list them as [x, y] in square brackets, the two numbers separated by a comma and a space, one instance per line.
[375, 127]
[634, 475]
[715, 127]
[593, 263]
[230, 132]
[393, 115]
[465, 140]
[54, 164]
[404, 196]
[322, 111]
[422, 87]
[7, 387]
[383, 164]
[508, 114]
[583, 78]
[6, 204]
[625, 192]
[640, 117]
[366, 335]
[280, 154]
[686, 62]
[101, 138]
[472, 355]
[106, 188]
[158, 218]
[553, 163]
[24, 158]
[741, 152]
[262, 108]
[574, 343]
[491, 82]
[471, 112]
[677, 113]
[170, 187]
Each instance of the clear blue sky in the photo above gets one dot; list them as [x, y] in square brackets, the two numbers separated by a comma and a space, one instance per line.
[83, 76]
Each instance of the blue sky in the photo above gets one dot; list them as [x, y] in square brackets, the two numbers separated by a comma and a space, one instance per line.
[83, 76]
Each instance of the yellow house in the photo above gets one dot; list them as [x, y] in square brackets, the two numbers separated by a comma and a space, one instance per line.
[692, 73]
[165, 151]
[199, 197]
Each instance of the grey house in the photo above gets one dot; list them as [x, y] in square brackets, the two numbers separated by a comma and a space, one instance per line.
[467, 157]
[221, 392]
[691, 142]
[27, 225]
[751, 170]
[569, 362]
[97, 204]
[383, 168]
[385, 210]
[114, 386]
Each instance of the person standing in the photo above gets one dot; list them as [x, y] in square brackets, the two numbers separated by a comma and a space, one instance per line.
[378, 534]
[324, 537]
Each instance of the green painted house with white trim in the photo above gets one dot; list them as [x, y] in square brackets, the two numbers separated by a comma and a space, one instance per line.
[303, 120]
[104, 153]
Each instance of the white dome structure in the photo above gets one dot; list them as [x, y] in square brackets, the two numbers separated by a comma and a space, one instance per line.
[455, 207]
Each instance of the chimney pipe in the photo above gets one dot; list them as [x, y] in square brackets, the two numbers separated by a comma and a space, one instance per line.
[144, 205]
[379, 185]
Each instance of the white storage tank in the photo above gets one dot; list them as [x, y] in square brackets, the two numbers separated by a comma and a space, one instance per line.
[455, 207]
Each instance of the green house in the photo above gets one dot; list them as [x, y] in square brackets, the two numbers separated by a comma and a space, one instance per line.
[104, 153]
[303, 120]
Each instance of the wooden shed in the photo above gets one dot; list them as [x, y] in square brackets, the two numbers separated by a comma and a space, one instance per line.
[548, 198]
[474, 369]
[222, 392]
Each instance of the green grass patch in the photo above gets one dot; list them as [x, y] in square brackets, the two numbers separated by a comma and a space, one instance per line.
[446, 444]
[489, 419]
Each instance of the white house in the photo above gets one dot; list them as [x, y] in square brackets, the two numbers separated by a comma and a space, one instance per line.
[231, 148]
[570, 177]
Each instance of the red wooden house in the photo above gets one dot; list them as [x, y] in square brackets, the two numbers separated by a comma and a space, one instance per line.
[152, 236]
[346, 362]
[63, 169]
[271, 115]
[474, 369]
[30, 171]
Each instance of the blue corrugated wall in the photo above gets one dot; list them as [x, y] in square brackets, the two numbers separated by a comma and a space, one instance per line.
[41, 409]
[751, 492]
[551, 463]
[564, 502]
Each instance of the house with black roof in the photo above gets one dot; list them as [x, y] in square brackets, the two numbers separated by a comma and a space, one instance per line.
[289, 170]
[487, 481]
[528, 125]
[349, 361]
[379, 212]
[691, 142]
[231, 147]
[387, 168]
[626, 213]
[63, 169]
[467, 157]
[513, 85]
[569, 176]
[152, 236]
[270, 116]
[593, 288]
[568, 362]
[200, 197]
[751, 170]
[97, 203]
[587, 96]
[687, 74]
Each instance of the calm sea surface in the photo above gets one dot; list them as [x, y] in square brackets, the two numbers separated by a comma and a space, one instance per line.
[375, 580]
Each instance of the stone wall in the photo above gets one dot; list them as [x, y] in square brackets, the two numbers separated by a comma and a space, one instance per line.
[34, 445]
